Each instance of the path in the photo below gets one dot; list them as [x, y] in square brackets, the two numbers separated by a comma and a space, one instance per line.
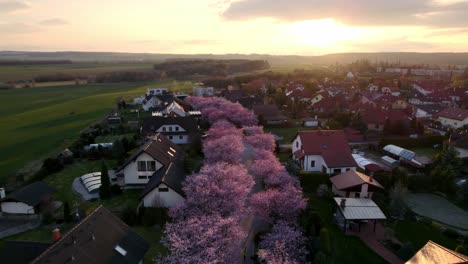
[439, 209]
[371, 239]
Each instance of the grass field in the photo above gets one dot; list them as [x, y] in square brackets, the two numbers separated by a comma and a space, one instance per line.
[39, 122]
[28, 72]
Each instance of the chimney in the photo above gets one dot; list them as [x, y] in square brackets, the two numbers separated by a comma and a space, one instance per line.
[55, 235]
[2, 193]
[343, 203]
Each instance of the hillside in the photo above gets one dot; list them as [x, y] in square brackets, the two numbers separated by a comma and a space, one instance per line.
[404, 57]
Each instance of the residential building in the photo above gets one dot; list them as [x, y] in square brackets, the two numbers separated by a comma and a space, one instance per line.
[156, 154]
[203, 91]
[453, 117]
[433, 253]
[101, 237]
[354, 184]
[270, 114]
[178, 129]
[324, 151]
[28, 200]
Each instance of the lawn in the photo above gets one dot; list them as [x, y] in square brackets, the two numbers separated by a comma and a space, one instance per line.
[28, 72]
[429, 152]
[287, 133]
[419, 233]
[153, 236]
[39, 122]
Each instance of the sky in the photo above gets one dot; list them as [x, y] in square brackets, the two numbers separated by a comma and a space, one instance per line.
[278, 27]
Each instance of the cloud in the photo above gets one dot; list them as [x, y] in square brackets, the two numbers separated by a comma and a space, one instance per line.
[17, 28]
[11, 6]
[54, 22]
[356, 12]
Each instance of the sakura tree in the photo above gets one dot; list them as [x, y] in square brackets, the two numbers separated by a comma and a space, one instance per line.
[252, 130]
[279, 204]
[204, 239]
[262, 141]
[222, 128]
[218, 188]
[225, 149]
[284, 244]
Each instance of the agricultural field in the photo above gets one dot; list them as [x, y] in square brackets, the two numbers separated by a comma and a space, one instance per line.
[28, 72]
[39, 122]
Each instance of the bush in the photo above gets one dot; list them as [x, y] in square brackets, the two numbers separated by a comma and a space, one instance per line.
[460, 249]
[435, 226]
[311, 181]
[52, 165]
[406, 251]
[129, 216]
[451, 233]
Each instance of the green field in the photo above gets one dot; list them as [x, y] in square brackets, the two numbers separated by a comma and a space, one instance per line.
[39, 122]
[28, 72]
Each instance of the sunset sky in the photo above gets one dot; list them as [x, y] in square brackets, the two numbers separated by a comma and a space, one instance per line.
[306, 27]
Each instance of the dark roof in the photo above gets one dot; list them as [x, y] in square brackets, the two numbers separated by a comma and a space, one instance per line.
[31, 194]
[454, 113]
[330, 144]
[269, 112]
[158, 148]
[172, 175]
[151, 124]
[430, 108]
[94, 240]
[21, 252]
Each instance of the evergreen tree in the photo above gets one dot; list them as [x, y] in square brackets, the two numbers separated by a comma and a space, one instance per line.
[104, 190]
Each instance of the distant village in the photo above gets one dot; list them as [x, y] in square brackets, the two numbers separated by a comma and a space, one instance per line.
[377, 151]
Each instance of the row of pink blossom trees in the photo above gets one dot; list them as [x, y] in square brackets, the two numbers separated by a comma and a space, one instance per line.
[280, 203]
[206, 227]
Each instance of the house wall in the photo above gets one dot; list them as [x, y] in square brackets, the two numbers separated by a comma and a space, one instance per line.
[296, 144]
[169, 199]
[447, 122]
[131, 173]
[311, 123]
[363, 194]
[17, 208]
[170, 128]
[316, 99]
[308, 163]
[462, 153]
[150, 104]
[179, 139]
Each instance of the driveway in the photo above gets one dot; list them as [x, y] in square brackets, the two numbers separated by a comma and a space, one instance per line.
[439, 209]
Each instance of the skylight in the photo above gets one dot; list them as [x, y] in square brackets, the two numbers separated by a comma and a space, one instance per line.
[122, 251]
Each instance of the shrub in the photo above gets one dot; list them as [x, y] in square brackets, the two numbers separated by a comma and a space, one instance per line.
[129, 216]
[52, 165]
[460, 249]
[451, 233]
[406, 251]
[435, 226]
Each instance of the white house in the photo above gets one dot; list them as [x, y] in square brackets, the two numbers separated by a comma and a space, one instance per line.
[27, 200]
[178, 129]
[165, 187]
[426, 111]
[324, 151]
[158, 168]
[156, 91]
[395, 91]
[354, 184]
[311, 122]
[203, 91]
[453, 117]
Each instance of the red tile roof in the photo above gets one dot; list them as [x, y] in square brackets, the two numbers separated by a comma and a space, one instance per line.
[454, 113]
[330, 144]
[353, 178]
[353, 135]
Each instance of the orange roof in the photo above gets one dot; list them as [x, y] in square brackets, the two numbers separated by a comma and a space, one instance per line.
[433, 253]
[353, 178]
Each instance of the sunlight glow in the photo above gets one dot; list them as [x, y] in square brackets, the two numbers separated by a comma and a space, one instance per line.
[322, 33]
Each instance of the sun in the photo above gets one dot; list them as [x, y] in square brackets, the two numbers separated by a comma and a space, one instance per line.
[322, 33]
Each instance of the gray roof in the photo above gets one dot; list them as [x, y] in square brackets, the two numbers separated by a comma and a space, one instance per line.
[400, 152]
[172, 175]
[31, 194]
[151, 124]
[360, 209]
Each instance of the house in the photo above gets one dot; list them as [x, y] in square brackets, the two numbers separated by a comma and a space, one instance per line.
[453, 117]
[392, 90]
[156, 91]
[318, 97]
[203, 91]
[300, 94]
[354, 184]
[178, 129]
[324, 151]
[270, 114]
[433, 253]
[156, 154]
[391, 102]
[101, 237]
[164, 103]
[310, 122]
[164, 189]
[30, 199]
[350, 211]
[426, 111]
[376, 120]
[426, 87]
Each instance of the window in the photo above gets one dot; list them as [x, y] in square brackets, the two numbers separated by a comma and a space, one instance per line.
[142, 177]
[141, 165]
[151, 165]
[176, 128]
[164, 129]
[297, 144]
[312, 163]
[181, 137]
[163, 189]
[170, 137]
[336, 170]
[170, 129]
[348, 169]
